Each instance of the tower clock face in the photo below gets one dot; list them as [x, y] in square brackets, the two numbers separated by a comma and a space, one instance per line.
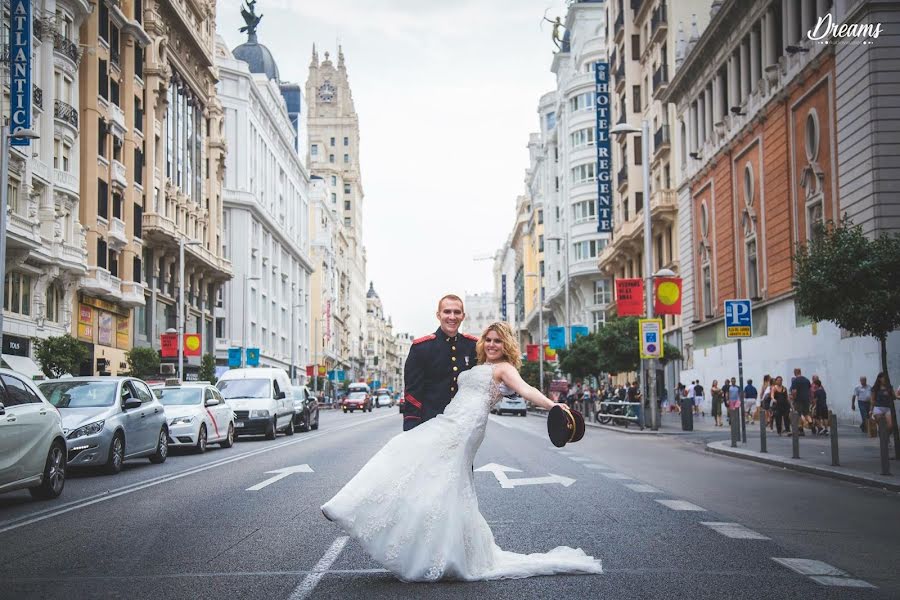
[326, 92]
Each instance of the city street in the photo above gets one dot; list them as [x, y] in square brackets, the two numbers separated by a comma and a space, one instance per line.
[667, 518]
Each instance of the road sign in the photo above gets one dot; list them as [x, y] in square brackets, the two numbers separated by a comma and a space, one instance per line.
[557, 337]
[252, 357]
[651, 338]
[505, 482]
[234, 357]
[738, 319]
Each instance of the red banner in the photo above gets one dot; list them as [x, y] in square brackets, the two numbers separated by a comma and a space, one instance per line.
[549, 354]
[531, 352]
[667, 295]
[630, 297]
[192, 344]
[310, 369]
[168, 345]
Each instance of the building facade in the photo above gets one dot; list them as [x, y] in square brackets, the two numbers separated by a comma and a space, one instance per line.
[45, 255]
[333, 155]
[768, 148]
[482, 309]
[265, 229]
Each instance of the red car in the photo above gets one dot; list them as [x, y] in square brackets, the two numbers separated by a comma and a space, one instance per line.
[357, 400]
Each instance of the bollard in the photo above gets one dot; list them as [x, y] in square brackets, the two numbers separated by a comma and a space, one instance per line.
[832, 427]
[762, 433]
[883, 442]
[687, 414]
[735, 427]
[795, 433]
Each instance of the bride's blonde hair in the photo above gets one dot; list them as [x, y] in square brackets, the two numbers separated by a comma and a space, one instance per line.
[511, 352]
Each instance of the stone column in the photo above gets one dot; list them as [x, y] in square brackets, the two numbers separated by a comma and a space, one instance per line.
[755, 66]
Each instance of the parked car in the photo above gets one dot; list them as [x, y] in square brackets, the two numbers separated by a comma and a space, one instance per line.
[306, 408]
[260, 400]
[197, 415]
[513, 404]
[108, 420]
[357, 400]
[32, 443]
[383, 398]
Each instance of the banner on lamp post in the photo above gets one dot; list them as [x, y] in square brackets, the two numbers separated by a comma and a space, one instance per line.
[630, 297]
[578, 331]
[168, 345]
[556, 337]
[531, 352]
[667, 296]
[192, 344]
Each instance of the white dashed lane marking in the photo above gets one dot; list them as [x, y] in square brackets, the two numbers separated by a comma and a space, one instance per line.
[615, 476]
[681, 505]
[822, 573]
[579, 459]
[642, 488]
[598, 467]
[308, 585]
[734, 530]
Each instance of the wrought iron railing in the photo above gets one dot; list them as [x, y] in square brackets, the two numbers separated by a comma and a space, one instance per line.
[65, 46]
[37, 96]
[661, 76]
[661, 137]
[65, 112]
[660, 19]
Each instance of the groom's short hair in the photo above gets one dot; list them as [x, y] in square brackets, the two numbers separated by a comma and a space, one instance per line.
[454, 298]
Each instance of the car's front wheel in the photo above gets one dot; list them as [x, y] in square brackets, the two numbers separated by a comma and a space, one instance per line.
[316, 424]
[201, 440]
[54, 474]
[290, 427]
[116, 455]
[272, 431]
[304, 422]
[162, 448]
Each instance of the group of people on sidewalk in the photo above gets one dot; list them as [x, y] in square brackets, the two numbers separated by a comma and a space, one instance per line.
[806, 397]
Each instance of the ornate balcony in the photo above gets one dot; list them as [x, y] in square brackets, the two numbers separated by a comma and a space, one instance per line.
[100, 282]
[66, 47]
[37, 97]
[622, 176]
[661, 140]
[619, 26]
[659, 23]
[67, 182]
[117, 237]
[116, 121]
[132, 294]
[65, 113]
[660, 79]
[119, 177]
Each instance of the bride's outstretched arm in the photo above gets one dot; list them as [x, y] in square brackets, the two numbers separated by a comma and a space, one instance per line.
[510, 376]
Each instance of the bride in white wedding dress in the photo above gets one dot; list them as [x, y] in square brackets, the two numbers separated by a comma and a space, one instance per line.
[413, 505]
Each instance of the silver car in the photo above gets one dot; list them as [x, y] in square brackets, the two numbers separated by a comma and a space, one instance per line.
[108, 420]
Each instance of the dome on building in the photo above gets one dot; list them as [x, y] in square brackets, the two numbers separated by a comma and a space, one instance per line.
[371, 293]
[257, 56]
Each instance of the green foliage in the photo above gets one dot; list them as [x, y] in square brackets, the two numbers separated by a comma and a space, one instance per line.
[208, 368]
[143, 362]
[530, 372]
[582, 358]
[847, 279]
[60, 355]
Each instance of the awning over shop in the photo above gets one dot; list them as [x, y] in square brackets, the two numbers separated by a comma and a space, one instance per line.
[23, 365]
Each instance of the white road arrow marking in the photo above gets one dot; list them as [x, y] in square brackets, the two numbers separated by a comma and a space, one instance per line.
[500, 472]
[281, 474]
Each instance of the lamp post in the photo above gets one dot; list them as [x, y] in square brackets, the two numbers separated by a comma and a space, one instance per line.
[624, 129]
[540, 330]
[181, 244]
[245, 317]
[565, 240]
[293, 369]
[5, 137]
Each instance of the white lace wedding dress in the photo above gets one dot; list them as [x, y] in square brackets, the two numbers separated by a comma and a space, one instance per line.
[413, 505]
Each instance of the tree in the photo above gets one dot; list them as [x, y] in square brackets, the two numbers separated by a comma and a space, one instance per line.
[60, 355]
[582, 359]
[847, 279]
[530, 372]
[143, 362]
[208, 368]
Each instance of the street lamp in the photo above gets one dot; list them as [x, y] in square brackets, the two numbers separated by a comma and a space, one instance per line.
[5, 137]
[293, 343]
[246, 317]
[565, 240]
[621, 130]
[181, 244]
[540, 329]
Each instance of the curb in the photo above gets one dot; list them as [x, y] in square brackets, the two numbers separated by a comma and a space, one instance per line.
[629, 431]
[725, 449]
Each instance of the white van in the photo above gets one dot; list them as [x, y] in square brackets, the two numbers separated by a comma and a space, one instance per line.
[261, 401]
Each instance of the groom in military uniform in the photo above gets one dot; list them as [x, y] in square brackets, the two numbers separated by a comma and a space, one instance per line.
[435, 362]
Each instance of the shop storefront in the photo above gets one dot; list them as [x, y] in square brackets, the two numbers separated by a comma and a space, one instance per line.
[106, 329]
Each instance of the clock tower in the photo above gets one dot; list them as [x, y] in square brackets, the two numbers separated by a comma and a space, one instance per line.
[333, 156]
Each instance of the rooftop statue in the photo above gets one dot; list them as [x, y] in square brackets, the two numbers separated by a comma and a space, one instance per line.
[250, 18]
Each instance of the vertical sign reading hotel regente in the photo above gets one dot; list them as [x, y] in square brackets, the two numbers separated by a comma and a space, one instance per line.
[604, 193]
[20, 69]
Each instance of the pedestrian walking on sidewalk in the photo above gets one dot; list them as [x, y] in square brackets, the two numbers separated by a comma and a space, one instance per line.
[800, 397]
[768, 413]
[820, 406]
[882, 397]
[698, 398]
[782, 409]
[716, 395]
[750, 397]
[862, 395]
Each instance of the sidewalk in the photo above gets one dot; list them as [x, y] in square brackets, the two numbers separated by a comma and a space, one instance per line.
[860, 459]
[669, 424]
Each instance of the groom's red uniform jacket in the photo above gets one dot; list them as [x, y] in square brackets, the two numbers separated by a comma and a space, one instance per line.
[434, 363]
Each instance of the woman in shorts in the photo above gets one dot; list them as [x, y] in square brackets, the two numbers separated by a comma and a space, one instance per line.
[882, 396]
[820, 406]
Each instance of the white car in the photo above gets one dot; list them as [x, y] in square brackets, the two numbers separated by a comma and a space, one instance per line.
[32, 445]
[514, 404]
[197, 416]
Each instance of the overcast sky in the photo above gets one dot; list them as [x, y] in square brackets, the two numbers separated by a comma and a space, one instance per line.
[447, 94]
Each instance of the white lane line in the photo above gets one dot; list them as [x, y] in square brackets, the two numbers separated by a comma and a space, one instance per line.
[642, 488]
[137, 486]
[734, 530]
[579, 459]
[309, 584]
[598, 467]
[615, 476]
[680, 505]
[822, 573]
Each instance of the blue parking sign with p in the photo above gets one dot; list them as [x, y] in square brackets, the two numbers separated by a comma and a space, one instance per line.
[738, 319]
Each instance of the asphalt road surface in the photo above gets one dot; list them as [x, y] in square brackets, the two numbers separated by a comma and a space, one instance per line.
[667, 519]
